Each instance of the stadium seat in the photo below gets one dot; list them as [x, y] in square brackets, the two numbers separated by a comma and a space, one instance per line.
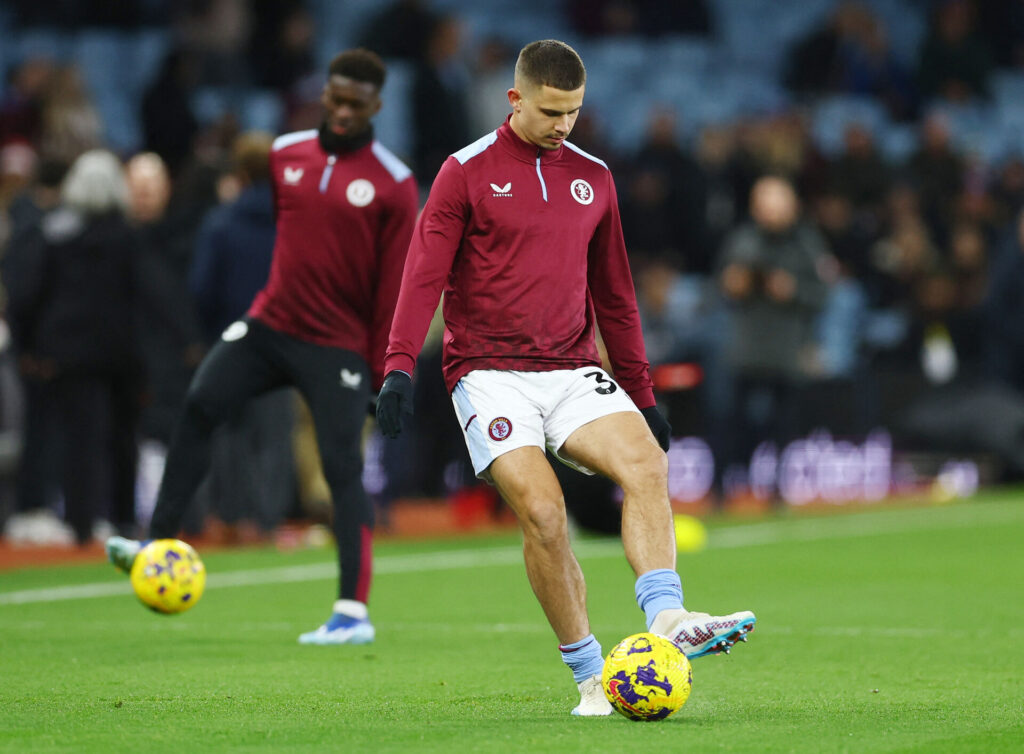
[210, 103]
[120, 121]
[832, 116]
[905, 27]
[104, 57]
[261, 109]
[897, 141]
[41, 43]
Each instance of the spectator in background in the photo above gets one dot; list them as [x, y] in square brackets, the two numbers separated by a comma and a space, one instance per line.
[37, 483]
[439, 109]
[17, 164]
[969, 265]
[235, 242]
[861, 175]
[72, 307]
[168, 123]
[840, 327]
[1008, 193]
[673, 308]
[848, 239]
[280, 47]
[716, 157]
[21, 109]
[851, 54]
[814, 64]
[944, 337]
[937, 172]
[904, 253]
[40, 196]
[774, 273]
[399, 30]
[665, 207]
[867, 66]
[215, 33]
[251, 472]
[955, 62]
[71, 123]
[171, 354]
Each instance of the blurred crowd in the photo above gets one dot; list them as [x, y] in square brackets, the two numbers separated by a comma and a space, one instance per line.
[798, 286]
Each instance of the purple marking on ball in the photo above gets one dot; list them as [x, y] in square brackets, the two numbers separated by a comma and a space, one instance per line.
[186, 597]
[162, 590]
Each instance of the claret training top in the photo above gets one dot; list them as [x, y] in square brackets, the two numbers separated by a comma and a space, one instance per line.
[343, 227]
[526, 245]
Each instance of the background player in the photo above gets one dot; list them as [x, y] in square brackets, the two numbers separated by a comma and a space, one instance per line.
[345, 210]
[522, 233]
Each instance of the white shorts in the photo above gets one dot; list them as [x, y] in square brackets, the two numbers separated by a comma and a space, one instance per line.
[500, 411]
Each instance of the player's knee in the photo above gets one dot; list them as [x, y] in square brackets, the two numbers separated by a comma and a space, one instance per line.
[544, 522]
[644, 467]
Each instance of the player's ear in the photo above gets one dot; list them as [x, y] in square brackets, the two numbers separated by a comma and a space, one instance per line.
[515, 99]
[375, 107]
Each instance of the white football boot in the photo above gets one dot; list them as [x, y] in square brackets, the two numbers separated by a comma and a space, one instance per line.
[593, 702]
[348, 624]
[121, 552]
[699, 634]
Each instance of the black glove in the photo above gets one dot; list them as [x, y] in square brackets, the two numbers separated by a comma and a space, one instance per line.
[659, 425]
[394, 402]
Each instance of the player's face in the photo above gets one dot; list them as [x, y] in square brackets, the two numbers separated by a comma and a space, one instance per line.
[544, 116]
[349, 105]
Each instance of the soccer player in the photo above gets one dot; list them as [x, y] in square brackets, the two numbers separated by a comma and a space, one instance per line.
[521, 232]
[345, 209]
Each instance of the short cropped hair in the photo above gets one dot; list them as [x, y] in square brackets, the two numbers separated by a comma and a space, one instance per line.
[251, 155]
[549, 62]
[359, 65]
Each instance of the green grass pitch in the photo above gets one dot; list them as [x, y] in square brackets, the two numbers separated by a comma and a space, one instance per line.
[879, 630]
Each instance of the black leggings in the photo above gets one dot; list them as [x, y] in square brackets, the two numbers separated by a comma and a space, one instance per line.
[336, 385]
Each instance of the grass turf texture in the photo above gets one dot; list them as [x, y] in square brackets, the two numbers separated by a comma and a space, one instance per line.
[885, 630]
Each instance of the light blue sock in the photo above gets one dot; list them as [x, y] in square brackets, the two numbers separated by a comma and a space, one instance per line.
[658, 590]
[583, 657]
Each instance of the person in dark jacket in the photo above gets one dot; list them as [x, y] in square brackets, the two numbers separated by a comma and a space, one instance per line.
[36, 477]
[774, 274]
[168, 233]
[72, 310]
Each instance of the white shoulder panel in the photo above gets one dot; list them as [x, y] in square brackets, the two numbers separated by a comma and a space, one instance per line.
[398, 169]
[590, 157]
[467, 153]
[286, 140]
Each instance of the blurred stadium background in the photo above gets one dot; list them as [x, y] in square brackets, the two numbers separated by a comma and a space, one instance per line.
[897, 123]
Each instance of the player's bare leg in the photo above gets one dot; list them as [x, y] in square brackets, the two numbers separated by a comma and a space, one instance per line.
[621, 447]
[527, 483]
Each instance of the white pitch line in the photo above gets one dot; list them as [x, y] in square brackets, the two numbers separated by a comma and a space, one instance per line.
[878, 523]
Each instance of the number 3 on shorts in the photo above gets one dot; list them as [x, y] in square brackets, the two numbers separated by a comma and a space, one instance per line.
[605, 386]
